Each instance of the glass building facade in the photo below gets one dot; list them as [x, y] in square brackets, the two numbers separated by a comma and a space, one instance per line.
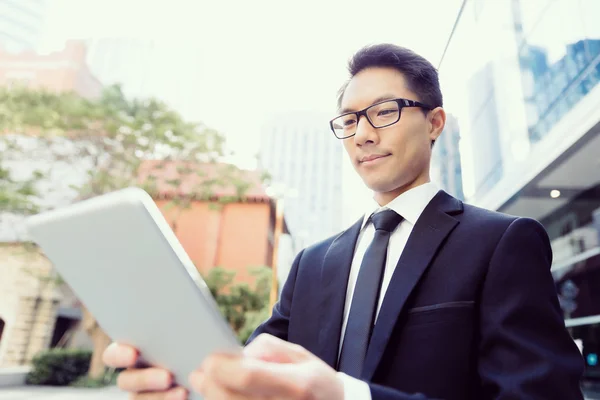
[445, 168]
[522, 77]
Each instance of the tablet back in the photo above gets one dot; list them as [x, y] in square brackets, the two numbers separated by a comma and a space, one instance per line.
[123, 261]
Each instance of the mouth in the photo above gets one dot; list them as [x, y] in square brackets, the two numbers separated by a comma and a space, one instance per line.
[367, 160]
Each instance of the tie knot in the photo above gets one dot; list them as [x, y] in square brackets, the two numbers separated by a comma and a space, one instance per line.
[386, 220]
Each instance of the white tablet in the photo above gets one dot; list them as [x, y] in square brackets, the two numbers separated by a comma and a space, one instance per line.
[121, 258]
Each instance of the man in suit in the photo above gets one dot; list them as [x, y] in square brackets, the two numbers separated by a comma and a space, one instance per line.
[422, 298]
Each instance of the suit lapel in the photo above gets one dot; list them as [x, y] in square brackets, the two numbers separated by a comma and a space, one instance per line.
[428, 234]
[334, 281]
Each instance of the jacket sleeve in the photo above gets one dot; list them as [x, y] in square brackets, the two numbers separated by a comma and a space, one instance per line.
[277, 324]
[525, 351]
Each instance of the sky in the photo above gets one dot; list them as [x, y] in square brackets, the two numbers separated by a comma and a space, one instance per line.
[235, 64]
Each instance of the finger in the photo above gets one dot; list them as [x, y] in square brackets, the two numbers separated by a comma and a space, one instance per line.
[271, 348]
[197, 377]
[252, 377]
[212, 390]
[120, 356]
[144, 380]
[216, 392]
[172, 394]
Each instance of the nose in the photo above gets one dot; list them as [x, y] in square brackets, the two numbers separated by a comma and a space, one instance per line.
[365, 132]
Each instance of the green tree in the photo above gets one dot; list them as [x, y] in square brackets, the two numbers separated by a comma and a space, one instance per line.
[15, 196]
[244, 306]
[113, 137]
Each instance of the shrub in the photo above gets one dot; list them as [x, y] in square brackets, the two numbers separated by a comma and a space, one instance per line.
[109, 378]
[244, 306]
[59, 367]
[253, 320]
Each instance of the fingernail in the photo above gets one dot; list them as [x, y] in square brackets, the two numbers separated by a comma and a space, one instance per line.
[168, 378]
[109, 354]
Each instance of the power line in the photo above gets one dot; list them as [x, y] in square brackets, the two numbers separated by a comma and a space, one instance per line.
[462, 7]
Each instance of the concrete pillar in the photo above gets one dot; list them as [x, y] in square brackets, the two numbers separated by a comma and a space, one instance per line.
[29, 304]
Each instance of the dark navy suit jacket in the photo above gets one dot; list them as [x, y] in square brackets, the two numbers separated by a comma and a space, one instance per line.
[471, 311]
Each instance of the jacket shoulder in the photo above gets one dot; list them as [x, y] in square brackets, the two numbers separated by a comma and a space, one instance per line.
[321, 246]
[319, 249]
[487, 220]
[485, 216]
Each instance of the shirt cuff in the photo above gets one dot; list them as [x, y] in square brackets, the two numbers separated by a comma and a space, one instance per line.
[354, 389]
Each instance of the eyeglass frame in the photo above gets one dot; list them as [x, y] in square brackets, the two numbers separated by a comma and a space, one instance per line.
[402, 103]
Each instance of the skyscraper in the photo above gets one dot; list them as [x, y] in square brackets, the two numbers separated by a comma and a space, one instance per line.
[484, 122]
[305, 159]
[21, 23]
[446, 168]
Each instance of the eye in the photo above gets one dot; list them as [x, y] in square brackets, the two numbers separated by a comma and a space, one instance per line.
[386, 112]
[349, 122]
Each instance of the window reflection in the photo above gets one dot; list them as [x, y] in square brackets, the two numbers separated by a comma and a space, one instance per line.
[563, 64]
[545, 60]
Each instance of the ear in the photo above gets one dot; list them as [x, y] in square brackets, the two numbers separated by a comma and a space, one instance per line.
[437, 121]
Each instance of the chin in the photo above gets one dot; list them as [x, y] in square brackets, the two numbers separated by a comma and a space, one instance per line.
[383, 185]
[379, 186]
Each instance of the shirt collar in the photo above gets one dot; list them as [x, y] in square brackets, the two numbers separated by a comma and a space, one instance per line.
[409, 205]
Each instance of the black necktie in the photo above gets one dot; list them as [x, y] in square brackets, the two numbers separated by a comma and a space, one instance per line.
[366, 295]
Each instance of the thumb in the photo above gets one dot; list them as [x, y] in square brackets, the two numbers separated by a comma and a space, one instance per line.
[272, 349]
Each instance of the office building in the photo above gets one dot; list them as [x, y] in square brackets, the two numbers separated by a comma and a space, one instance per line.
[21, 24]
[530, 114]
[445, 168]
[65, 70]
[304, 160]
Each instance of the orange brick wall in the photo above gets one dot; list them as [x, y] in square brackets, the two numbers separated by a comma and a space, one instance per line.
[234, 237]
[244, 237]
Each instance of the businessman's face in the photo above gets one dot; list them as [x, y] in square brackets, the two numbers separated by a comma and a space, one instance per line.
[395, 158]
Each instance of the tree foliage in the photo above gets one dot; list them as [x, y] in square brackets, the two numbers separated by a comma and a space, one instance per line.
[15, 196]
[244, 306]
[113, 134]
[108, 140]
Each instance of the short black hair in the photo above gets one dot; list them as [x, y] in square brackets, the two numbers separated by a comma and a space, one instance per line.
[420, 75]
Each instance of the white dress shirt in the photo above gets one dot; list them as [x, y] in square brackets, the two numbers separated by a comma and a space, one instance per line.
[410, 206]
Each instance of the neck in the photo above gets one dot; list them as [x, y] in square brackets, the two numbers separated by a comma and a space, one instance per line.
[384, 198]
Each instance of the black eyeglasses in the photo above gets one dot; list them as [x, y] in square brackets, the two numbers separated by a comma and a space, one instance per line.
[379, 115]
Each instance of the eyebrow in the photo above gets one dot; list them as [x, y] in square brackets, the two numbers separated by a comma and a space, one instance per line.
[377, 100]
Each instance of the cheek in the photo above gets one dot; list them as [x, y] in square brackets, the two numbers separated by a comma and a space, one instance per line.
[412, 141]
[410, 149]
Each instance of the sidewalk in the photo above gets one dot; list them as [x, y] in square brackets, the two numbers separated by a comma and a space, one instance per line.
[60, 393]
